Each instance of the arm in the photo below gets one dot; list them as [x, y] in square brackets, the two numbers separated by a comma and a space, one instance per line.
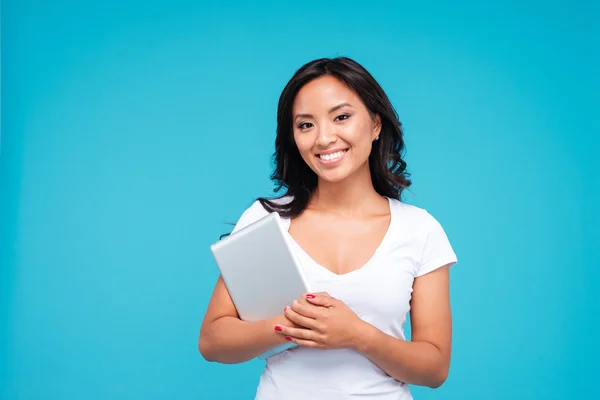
[225, 338]
[425, 360]
[328, 323]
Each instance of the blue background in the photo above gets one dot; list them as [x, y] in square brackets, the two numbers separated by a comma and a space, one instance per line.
[133, 131]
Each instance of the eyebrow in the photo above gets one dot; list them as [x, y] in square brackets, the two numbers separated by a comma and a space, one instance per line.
[332, 109]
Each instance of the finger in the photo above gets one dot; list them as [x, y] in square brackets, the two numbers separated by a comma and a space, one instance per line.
[323, 300]
[299, 319]
[303, 299]
[301, 337]
[306, 343]
[307, 310]
[298, 333]
[319, 294]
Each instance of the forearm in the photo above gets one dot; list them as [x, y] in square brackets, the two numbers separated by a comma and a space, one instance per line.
[417, 363]
[230, 340]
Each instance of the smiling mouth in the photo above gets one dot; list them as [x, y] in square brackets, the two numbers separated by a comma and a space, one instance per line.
[332, 156]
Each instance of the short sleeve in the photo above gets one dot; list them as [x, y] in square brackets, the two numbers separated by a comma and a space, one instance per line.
[252, 214]
[437, 250]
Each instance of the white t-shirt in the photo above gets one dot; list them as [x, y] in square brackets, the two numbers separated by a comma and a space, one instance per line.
[379, 293]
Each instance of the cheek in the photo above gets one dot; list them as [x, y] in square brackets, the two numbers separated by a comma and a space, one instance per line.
[303, 144]
[359, 137]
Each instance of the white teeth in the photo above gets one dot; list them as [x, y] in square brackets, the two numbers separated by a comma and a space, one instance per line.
[332, 156]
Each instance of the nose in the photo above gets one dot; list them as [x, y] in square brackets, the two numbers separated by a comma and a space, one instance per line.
[326, 137]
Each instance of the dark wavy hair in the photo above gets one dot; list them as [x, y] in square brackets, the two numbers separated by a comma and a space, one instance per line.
[292, 174]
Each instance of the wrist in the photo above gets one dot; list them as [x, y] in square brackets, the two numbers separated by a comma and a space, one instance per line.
[365, 334]
[269, 329]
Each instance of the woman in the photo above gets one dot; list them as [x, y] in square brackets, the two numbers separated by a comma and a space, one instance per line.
[372, 257]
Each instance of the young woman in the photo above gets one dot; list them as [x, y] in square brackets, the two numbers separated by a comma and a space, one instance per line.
[373, 258]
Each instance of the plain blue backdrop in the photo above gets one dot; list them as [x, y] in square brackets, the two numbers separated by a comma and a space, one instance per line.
[132, 131]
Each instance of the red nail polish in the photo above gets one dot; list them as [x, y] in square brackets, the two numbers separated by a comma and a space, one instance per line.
[310, 296]
[278, 328]
[285, 309]
[288, 338]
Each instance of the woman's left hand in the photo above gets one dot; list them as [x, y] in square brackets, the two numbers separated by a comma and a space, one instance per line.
[326, 323]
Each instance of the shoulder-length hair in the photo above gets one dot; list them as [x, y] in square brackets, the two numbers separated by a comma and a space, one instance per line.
[293, 175]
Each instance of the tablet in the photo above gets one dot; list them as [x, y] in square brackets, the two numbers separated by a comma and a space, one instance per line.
[261, 271]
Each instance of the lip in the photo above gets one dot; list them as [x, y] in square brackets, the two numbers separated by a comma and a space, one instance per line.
[324, 153]
[331, 163]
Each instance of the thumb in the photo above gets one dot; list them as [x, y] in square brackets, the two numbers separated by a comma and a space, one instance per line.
[321, 299]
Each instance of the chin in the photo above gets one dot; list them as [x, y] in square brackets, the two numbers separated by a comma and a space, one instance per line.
[332, 179]
[332, 176]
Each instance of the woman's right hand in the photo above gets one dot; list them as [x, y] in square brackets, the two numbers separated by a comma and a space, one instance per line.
[226, 339]
[282, 320]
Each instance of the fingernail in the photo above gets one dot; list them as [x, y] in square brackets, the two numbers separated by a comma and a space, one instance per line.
[285, 309]
[278, 328]
[310, 296]
[288, 338]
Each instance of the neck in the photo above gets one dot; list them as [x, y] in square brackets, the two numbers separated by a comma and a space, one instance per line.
[347, 196]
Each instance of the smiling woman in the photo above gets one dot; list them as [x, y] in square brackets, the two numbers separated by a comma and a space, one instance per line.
[371, 258]
[333, 141]
[326, 97]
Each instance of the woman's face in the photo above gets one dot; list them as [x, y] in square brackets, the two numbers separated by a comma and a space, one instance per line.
[333, 129]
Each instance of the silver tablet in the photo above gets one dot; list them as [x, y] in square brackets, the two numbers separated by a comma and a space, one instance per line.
[261, 270]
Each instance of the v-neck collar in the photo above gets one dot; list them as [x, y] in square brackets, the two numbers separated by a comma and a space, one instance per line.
[382, 245]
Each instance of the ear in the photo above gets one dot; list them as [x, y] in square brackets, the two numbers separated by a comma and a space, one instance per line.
[376, 126]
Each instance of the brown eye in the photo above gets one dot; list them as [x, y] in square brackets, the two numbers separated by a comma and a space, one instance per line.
[304, 125]
[342, 117]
